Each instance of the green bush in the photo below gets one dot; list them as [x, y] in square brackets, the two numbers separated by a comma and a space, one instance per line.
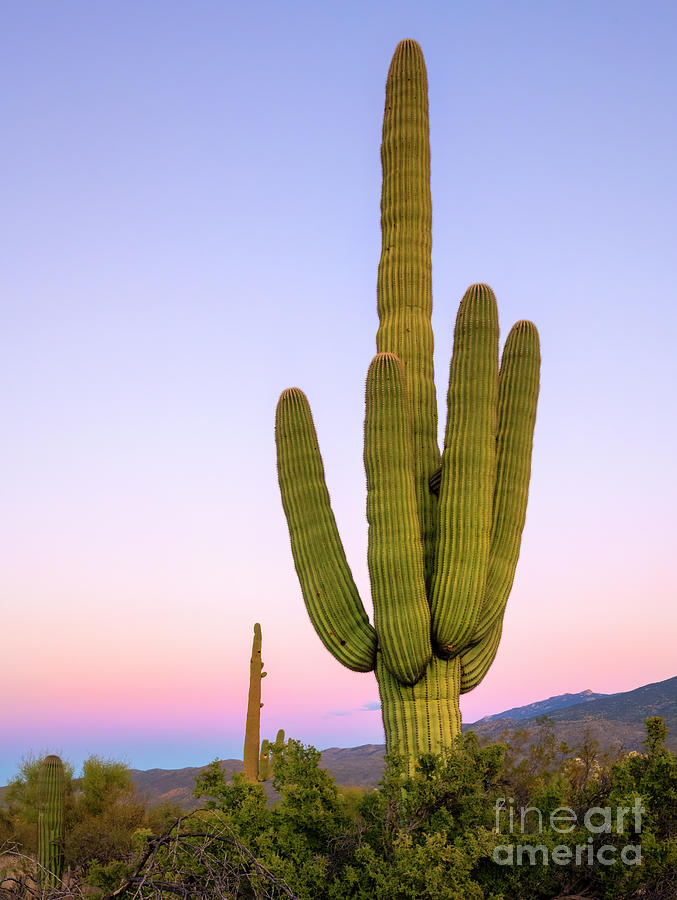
[441, 830]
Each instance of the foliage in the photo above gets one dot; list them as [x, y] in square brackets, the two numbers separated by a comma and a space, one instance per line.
[19, 815]
[104, 819]
[433, 832]
[103, 784]
[441, 830]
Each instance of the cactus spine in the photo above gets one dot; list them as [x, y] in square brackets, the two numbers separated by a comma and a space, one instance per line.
[444, 530]
[51, 801]
[250, 768]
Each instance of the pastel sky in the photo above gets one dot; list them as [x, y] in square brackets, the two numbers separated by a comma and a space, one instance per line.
[190, 224]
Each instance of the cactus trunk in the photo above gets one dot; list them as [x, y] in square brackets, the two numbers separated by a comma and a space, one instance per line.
[424, 717]
[250, 768]
[444, 529]
[51, 801]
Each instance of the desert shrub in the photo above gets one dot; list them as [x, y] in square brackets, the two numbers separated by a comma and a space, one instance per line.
[440, 831]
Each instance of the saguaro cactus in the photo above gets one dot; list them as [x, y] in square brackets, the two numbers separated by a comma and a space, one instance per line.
[250, 768]
[265, 762]
[444, 533]
[51, 799]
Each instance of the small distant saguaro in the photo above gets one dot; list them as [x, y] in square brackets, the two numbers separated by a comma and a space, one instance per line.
[250, 768]
[51, 801]
[266, 761]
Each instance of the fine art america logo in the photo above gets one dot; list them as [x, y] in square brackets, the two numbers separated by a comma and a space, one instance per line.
[563, 820]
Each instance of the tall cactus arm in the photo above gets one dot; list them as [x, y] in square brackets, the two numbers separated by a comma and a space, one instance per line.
[477, 659]
[517, 399]
[404, 286]
[329, 592]
[395, 554]
[468, 474]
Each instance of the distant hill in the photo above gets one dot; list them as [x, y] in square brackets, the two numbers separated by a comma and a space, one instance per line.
[612, 719]
[544, 707]
[175, 785]
[350, 767]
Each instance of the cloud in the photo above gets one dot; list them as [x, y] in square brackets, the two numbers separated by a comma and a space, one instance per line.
[369, 706]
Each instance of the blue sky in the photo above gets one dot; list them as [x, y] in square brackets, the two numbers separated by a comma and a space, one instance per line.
[191, 223]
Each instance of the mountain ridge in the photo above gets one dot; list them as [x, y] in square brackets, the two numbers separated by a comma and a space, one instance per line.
[544, 707]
